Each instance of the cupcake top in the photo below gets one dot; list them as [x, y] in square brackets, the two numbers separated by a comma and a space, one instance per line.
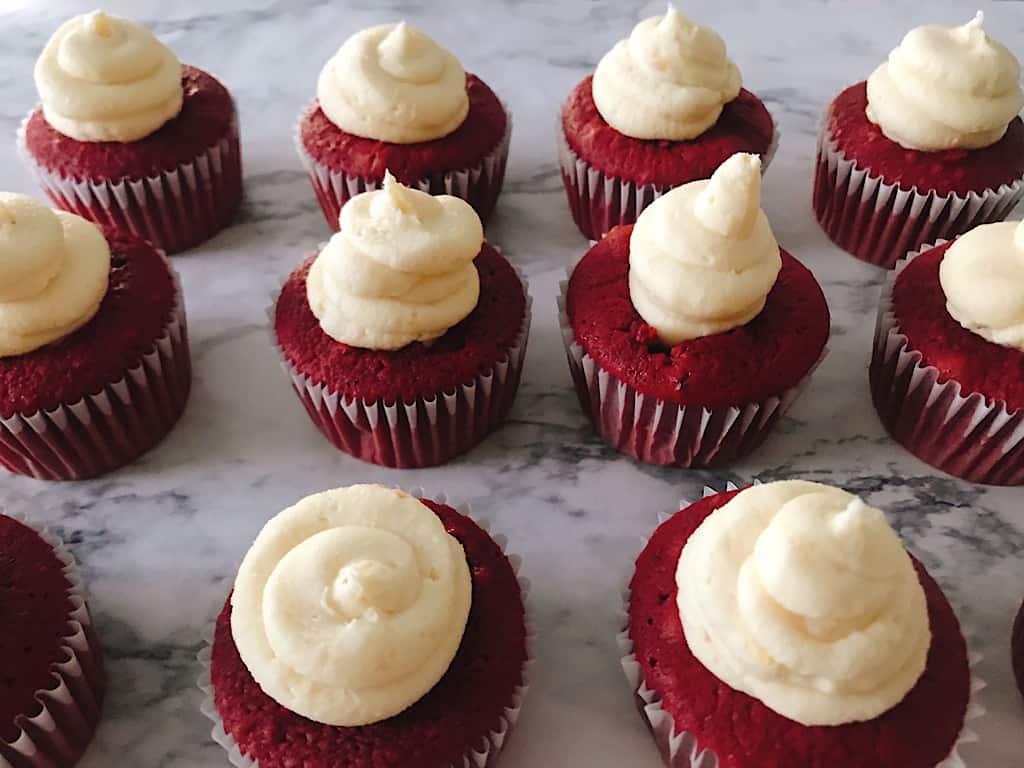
[801, 596]
[54, 270]
[393, 83]
[702, 258]
[351, 605]
[946, 88]
[668, 80]
[104, 78]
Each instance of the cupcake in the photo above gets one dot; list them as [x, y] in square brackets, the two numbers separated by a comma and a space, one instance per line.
[947, 371]
[130, 138]
[691, 332]
[1017, 649]
[665, 107]
[785, 625]
[369, 628]
[929, 147]
[405, 335]
[393, 100]
[51, 664]
[94, 359]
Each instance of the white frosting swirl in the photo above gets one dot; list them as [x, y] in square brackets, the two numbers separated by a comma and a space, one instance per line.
[351, 605]
[802, 596]
[54, 271]
[946, 88]
[400, 270]
[104, 78]
[668, 80]
[393, 83]
[702, 258]
[982, 275]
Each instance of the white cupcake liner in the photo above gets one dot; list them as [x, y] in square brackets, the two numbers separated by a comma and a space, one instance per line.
[484, 755]
[681, 749]
[69, 711]
[963, 434]
[104, 431]
[173, 210]
[879, 222]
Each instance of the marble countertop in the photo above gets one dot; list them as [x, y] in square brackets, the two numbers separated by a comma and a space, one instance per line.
[159, 541]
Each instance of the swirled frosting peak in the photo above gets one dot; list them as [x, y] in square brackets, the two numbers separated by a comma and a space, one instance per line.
[54, 271]
[702, 258]
[351, 604]
[800, 595]
[393, 83]
[104, 78]
[946, 88]
[400, 270]
[668, 80]
[982, 275]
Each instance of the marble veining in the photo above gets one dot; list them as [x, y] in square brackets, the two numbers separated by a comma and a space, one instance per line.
[160, 540]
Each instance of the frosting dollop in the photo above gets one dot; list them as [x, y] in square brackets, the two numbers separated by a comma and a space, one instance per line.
[702, 258]
[54, 272]
[104, 78]
[982, 275]
[351, 604]
[946, 88]
[802, 596]
[668, 80]
[400, 270]
[393, 83]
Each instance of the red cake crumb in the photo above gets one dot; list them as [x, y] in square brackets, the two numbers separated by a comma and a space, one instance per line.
[417, 370]
[134, 312]
[454, 717]
[205, 119]
[771, 353]
[34, 610]
[919, 732]
[744, 126]
[478, 136]
[953, 170]
[1017, 649]
[919, 304]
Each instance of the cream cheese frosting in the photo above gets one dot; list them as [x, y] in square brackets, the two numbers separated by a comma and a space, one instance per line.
[400, 270]
[668, 80]
[982, 275]
[104, 78]
[393, 83]
[946, 88]
[803, 597]
[54, 272]
[351, 605]
[702, 258]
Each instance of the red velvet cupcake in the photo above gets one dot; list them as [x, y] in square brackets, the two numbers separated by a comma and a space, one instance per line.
[51, 663]
[687, 343]
[887, 686]
[894, 173]
[1017, 649]
[393, 100]
[446, 701]
[628, 135]
[131, 139]
[94, 359]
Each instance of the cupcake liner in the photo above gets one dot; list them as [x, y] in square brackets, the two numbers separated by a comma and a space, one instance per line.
[479, 186]
[879, 222]
[425, 432]
[656, 431]
[103, 431]
[69, 711]
[963, 434]
[174, 210]
[599, 202]
[484, 755]
[681, 749]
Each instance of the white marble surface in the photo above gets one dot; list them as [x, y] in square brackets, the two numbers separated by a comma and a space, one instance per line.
[160, 540]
